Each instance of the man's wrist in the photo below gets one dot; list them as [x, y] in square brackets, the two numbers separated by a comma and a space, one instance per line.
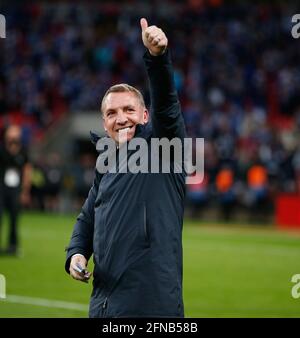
[78, 254]
[153, 54]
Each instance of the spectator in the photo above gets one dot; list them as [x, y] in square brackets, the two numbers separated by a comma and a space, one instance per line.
[15, 180]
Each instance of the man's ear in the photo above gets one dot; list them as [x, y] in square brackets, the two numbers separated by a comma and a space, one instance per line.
[145, 116]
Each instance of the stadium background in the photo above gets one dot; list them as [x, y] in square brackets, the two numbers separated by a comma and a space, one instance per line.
[238, 78]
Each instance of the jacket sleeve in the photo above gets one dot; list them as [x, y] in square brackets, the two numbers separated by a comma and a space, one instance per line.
[82, 237]
[166, 117]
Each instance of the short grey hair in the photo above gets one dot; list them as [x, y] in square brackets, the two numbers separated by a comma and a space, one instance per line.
[122, 88]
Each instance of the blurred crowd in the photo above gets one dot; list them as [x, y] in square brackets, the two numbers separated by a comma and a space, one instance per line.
[236, 71]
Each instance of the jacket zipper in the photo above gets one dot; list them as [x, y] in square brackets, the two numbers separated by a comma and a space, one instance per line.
[104, 306]
[145, 223]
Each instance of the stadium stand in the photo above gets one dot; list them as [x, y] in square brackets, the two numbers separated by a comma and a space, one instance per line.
[236, 72]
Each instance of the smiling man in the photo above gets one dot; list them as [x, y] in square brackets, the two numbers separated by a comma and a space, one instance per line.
[123, 108]
[132, 222]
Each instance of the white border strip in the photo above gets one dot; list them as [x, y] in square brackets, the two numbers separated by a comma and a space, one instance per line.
[45, 302]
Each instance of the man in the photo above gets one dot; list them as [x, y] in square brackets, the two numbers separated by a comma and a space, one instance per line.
[132, 223]
[15, 182]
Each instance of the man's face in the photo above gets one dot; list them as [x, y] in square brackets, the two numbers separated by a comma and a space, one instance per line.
[121, 113]
[13, 140]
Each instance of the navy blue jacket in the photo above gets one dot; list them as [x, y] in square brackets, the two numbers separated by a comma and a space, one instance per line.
[132, 223]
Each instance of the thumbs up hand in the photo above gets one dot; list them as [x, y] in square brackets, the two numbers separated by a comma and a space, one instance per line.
[153, 38]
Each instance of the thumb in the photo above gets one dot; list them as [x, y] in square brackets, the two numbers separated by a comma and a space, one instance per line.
[144, 24]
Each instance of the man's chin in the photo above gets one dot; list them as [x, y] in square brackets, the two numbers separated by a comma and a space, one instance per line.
[124, 137]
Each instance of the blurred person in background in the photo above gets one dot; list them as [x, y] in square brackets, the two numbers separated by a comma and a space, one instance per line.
[38, 183]
[132, 223]
[257, 196]
[197, 194]
[54, 179]
[83, 175]
[15, 182]
[225, 191]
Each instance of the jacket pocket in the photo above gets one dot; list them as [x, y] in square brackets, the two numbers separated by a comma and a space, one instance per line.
[144, 226]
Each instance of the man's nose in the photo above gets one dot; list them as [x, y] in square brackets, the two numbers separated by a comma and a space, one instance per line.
[121, 118]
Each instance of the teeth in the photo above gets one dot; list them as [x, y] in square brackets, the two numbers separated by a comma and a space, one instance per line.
[124, 130]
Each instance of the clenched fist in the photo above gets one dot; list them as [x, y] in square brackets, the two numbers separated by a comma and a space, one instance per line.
[153, 38]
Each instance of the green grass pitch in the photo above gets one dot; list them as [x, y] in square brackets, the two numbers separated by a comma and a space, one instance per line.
[231, 270]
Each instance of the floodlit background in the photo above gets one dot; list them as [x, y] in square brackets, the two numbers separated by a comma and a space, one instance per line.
[237, 73]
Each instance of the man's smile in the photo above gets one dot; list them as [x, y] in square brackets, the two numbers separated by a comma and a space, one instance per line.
[124, 129]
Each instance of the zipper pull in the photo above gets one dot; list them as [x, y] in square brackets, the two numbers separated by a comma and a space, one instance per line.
[105, 303]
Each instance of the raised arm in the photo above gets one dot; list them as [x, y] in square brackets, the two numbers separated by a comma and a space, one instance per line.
[166, 113]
